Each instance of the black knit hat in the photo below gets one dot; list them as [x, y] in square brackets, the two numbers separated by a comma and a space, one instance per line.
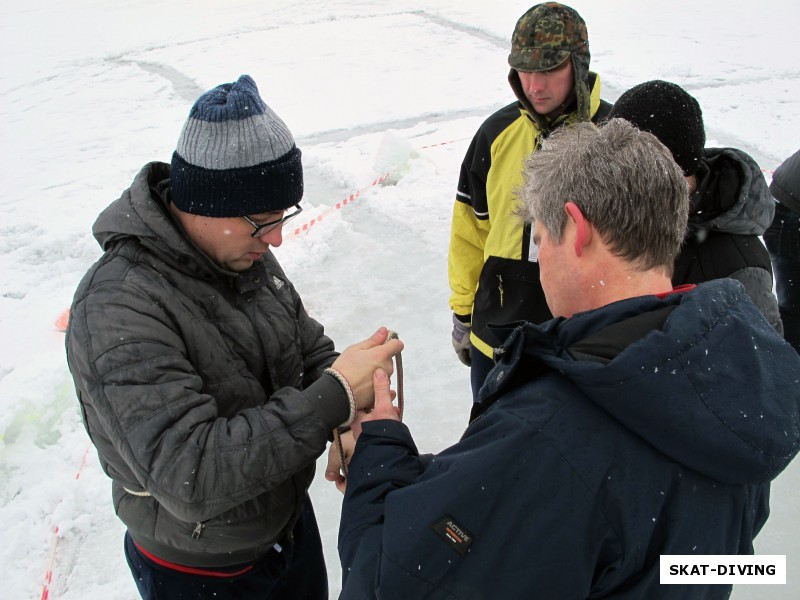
[671, 114]
[235, 156]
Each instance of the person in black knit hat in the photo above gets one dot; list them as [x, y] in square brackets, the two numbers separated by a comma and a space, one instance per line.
[730, 203]
[206, 388]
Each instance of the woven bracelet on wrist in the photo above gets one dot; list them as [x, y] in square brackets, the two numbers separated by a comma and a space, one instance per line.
[348, 390]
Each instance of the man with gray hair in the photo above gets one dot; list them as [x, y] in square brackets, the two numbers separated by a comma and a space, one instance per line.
[641, 421]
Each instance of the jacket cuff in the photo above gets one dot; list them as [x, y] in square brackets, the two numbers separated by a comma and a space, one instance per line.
[466, 319]
[329, 400]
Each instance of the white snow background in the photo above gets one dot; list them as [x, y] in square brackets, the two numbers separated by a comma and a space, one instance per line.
[91, 90]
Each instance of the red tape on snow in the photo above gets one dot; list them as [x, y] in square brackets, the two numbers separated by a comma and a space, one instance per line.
[61, 322]
[48, 576]
[352, 197]
[338, 206]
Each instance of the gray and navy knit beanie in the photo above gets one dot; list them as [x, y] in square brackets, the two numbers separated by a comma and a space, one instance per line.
[671, 114]
[235, 156]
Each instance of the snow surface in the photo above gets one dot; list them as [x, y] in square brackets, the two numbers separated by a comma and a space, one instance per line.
[91, 90]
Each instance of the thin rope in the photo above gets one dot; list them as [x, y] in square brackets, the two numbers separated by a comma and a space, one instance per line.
[337, 438]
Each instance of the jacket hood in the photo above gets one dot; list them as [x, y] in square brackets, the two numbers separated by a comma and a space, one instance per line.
[141, 213]
[715, 388]
[732, 195]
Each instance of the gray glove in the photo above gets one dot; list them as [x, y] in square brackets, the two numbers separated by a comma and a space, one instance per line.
[461, 343]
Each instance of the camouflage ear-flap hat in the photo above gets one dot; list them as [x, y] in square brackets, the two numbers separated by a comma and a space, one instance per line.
[547, 35]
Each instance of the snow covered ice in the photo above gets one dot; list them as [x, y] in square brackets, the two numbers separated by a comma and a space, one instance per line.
[90, 91]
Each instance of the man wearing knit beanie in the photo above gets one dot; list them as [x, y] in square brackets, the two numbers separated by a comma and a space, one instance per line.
[783, 242]
[206, 388]
[730, 204]
[492, 265]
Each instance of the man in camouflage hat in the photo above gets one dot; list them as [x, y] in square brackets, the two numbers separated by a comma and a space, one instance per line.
[492, 265]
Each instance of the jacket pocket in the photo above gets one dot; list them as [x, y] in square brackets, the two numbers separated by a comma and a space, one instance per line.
[508, 291]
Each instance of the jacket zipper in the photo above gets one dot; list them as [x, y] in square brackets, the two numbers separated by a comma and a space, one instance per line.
[198, 530]
[500, 287]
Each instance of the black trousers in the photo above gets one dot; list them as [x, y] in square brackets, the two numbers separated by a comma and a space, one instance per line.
[481, 365]
[297, 571]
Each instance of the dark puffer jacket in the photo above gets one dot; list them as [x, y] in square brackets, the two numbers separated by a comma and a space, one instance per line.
[730, 209]
[783, 242]
[202, 389]
[646, 427]
[785, 184]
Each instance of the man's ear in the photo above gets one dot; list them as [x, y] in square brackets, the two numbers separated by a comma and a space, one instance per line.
[583, 229]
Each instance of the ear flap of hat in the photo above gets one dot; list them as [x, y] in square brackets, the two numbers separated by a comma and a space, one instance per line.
[583, 95]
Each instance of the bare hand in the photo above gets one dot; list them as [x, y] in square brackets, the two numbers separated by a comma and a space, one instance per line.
[384, 409]
[333, 472]
[358, 362]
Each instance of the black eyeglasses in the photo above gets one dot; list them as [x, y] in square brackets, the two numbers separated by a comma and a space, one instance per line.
[265, 228]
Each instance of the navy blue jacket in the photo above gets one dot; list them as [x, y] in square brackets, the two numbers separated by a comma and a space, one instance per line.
[595, 455]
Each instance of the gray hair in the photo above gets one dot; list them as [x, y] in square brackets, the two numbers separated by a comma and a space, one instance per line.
[625, 183]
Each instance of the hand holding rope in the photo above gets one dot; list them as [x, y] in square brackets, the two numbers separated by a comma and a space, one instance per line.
[337, 439]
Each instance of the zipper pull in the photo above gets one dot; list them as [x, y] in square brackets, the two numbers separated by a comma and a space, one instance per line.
[198, 531]
[500, 288]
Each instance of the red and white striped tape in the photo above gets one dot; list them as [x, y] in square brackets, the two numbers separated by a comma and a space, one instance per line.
[338, 206]
[48, 575]
[354, 196]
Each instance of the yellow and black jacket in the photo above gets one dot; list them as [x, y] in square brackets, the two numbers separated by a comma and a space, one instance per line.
[493, 276]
